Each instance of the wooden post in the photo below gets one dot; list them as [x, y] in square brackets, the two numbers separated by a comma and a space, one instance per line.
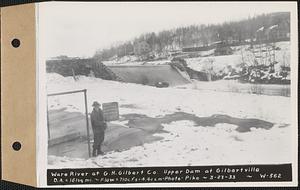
[74, 76]
[86, 113]
[87, 122]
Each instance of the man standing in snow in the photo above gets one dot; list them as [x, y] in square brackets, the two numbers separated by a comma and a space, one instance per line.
[99, 126]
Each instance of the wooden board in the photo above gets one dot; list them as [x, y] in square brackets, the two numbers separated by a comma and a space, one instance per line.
[110, 111]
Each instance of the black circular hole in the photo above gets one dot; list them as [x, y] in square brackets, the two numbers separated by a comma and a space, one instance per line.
[15, 43]
[16, 146]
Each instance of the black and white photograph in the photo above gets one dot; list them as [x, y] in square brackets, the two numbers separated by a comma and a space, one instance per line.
[168, 84]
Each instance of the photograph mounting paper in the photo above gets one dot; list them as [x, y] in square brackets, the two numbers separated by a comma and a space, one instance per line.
[167, 94]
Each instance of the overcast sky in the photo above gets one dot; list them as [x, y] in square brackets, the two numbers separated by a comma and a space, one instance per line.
[79, 29]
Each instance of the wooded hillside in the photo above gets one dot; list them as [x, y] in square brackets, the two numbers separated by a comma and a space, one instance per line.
[201, 35]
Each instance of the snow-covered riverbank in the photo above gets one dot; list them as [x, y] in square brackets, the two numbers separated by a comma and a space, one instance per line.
[184, 143]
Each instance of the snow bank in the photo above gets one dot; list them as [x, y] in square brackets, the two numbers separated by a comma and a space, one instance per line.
[215, 63]
[57, 79]
[237, 87]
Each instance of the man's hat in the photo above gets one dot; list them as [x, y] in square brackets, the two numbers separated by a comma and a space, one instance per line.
[96, 104]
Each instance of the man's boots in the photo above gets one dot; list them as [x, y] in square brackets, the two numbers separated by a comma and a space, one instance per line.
[94, 152]
[99, 152]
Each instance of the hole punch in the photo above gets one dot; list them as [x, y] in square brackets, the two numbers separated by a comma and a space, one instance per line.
[16, 146]
[15, 43]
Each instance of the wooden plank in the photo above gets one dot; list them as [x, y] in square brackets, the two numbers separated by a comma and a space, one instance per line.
[111, 111]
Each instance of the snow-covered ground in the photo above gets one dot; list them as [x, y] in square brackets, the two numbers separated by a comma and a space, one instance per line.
[188, 145]
[185, 143]
[236, 86]
[241, 54]
[215, 63]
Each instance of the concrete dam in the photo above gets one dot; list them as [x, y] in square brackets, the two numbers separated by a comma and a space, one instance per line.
[140, 74]
[151, 74]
